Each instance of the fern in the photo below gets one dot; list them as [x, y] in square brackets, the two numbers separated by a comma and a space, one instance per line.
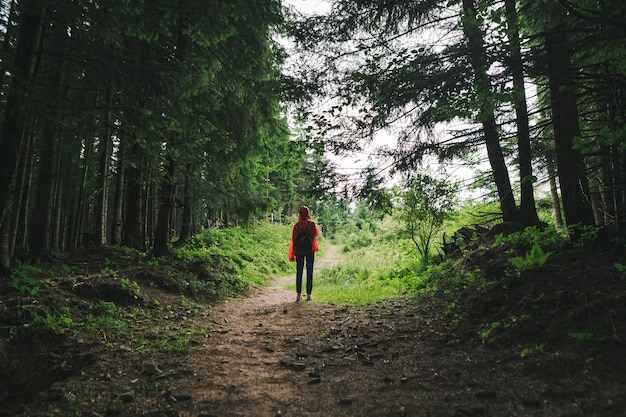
[534, 259]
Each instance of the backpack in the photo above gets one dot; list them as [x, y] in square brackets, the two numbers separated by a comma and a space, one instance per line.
[303, 242]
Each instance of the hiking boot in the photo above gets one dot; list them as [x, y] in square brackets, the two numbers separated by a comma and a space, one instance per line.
[299, 297]
[308, 297]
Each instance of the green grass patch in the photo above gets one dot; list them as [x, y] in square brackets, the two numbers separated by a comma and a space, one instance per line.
[383, 270]
[254, 254]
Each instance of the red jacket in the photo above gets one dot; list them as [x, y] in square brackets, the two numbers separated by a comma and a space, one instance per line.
[304, 222]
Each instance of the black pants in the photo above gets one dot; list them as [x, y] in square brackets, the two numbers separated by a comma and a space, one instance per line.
[300, 259]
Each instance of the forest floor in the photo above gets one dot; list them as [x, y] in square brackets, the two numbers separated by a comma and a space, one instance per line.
[550, 345]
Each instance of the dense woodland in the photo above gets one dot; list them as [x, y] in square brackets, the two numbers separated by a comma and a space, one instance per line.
[539, 86]
[126, 123]
[132, 123]
[154, 154]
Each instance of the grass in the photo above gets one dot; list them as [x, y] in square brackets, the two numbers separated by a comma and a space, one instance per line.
[254, 254]
[368, 274]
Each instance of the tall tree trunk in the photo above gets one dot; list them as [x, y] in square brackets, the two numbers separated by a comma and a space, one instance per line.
[77, 219]
[612, 162]
[528, 210]
[186, 229]
[166, 210]
[17, 199]
[16, 107]
[105, 149]
[619, 179]
[554, 194]
[134, 234]
[6, 44]
[477, 56]
[39, 241]
[608, 185]
[22, 218]
[118, 202]
[151, 194]
[6, 226]
[570, 166]
[57, 202]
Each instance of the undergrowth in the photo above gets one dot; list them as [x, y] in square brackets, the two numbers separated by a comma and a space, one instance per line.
[216, 264]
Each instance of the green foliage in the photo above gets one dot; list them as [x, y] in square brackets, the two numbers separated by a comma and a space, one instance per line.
[225, 262]
[357, 240]
[384, 264]
[580, 336]
[355, 229]
[355, 285]
[374, 268]
[131, 287]
[488, 332]
[583, 236]
[547, 238]
[449, 276]
[534, 259]
[60, 318]
[531, 351]
[24, 280]
[534, 241]
[108, 271]
[426, 203]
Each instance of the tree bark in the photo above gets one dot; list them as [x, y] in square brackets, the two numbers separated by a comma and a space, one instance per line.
[477, 57]
[166, 210]
[17, 101]
[528, 210]
[6, 43]
[40, 234]
[608, 186]
[186, 229]
[554, 194]
[102, 204]
[133, 230]
[570, 166]
[118, 203]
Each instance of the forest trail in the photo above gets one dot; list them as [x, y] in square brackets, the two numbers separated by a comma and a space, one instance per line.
[267, 355]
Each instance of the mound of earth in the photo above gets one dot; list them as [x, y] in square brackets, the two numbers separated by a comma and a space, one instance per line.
[549, 342]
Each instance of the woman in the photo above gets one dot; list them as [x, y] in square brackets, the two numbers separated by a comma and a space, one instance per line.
[302, 248]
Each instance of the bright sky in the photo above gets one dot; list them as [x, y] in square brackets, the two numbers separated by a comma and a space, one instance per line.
[309, 6]
[351, 165]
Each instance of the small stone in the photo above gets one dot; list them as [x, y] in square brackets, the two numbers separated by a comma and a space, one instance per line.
[315, 381]
[127, 397]
[298, 366]
[153, 369]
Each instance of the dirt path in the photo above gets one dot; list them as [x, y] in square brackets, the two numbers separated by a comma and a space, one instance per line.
[248, 366]
[270, 356]
[266, 355]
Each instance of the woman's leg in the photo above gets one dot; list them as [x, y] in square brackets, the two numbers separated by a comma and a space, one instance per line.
[310, 258]
[299, 270]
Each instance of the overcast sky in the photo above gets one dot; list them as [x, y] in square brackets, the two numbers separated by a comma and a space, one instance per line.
[309, 6]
